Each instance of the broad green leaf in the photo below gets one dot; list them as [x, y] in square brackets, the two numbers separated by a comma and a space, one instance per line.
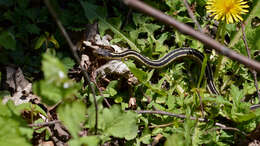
[175, 139]
[68, 63]
[141, 75]
[56, 85]
[14, 130]
[7, 40]
[72, 115]
[90, 140]
[53, 69]
[50, 93]
[119, 123]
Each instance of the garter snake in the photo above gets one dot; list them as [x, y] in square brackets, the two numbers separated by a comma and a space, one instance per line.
[166, 60]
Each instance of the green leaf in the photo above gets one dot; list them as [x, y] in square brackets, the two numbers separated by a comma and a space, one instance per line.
[32, 28]
[236, 94]
[50, 93]
[40, 42]
[56, 85]
[111, 88]
[68, 62]
[54, 41]
[31, 107]
[118, 123]
[141, 75]
[14, 130]
[90, 140]
[241, 117]
[175, 139]
[7, 40]
[53, 69]
[72, 114]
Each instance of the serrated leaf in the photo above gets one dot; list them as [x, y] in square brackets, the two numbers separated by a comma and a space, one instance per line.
[72, 115]
[236, 94]
[68, 62]
[118, 123]
[7, 40]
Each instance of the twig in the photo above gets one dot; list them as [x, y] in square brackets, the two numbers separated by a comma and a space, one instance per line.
[161, 126]
[249, 56]
[44, 123]
[157, 139]
[75, 55]
[168, 114]
[191, 14]
[185, 29]
[101, 93]
[228, 128]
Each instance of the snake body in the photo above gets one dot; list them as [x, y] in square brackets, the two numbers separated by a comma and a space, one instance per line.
[166, 60]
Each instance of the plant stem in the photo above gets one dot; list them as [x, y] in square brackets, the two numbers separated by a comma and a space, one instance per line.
[203, 68]
[220, 58]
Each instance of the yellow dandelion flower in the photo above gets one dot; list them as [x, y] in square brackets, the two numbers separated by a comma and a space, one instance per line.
[229, 10]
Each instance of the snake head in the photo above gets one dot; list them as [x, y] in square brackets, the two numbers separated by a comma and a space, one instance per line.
[102, 53]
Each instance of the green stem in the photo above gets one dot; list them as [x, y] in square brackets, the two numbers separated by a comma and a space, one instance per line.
[220, 58]
[203, 68]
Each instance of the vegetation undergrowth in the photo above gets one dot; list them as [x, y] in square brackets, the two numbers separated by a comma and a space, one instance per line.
[38, 70]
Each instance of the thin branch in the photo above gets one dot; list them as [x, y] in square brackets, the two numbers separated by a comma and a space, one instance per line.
[101, 93]
[185, 29]
[161, 126]
[221, 126]
[168, 114]
[192, 16]
[249, 56]
[44, 124]
[75, 55]
[157, 139]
